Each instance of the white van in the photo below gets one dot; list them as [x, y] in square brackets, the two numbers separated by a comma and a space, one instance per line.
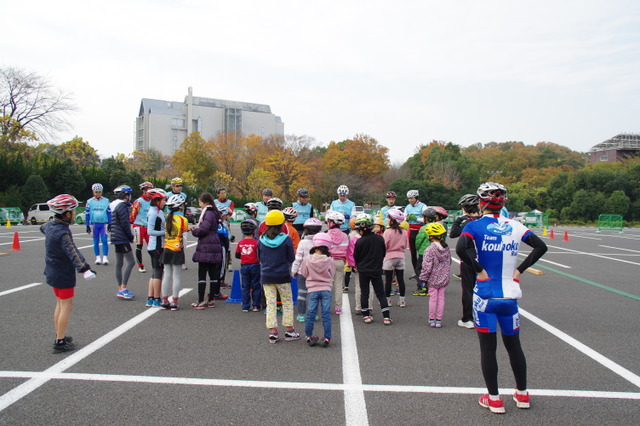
[39, 213]
[357, 211]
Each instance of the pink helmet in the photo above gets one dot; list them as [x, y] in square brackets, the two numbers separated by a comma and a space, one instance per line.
[396, 215]
[62, 203]
[322, 239]
[312, 221]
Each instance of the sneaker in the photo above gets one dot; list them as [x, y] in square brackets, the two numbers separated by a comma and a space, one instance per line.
[211, 304]
[245, 310]
[402, 304]
[184, 267]
[105, 261]
[413, 277]
[300, 318]
[312, 340]
[432, 323]
[456, 276]
[220, 297]
[256, 309]
[388, 321]
[65, 346]
[125, 294]
[338, 311]
[98, 260]
[496, 406]
[358, 312]
[438, 323]
[522, 401]
[466, 324]
[149, 302]
[368, 319]
[345, 290]
[291, 335]
[173, 306]
[157, 303]
[273, 337]
[141, 268]
[420, 292]
[325, 342]
[199, 305]
[396, 291]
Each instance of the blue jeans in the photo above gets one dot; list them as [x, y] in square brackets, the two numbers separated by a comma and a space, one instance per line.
[322, 298]
[251, 288]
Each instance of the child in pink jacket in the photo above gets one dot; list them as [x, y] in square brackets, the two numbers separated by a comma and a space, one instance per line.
[318, 268]
[338, 250]
[436, 268]
[396, 242]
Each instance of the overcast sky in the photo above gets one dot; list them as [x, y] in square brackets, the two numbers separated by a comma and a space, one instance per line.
[404, 72]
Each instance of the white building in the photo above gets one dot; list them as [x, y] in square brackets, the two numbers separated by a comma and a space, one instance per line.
[163, 125]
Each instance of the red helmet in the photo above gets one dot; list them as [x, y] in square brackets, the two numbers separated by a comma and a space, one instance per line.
[156, 193]
[391, 194]
[442, 212]
[147, 185]
[62, 203]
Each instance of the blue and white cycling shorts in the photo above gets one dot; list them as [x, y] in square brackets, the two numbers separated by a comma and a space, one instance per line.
[99, 230]
[488, 313]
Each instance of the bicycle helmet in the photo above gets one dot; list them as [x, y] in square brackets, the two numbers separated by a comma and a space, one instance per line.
[364, 224]
[343, 190]
[352, 222]
[147, 185]
[62, 203]
[378, 221]
[303, 192]
[247, 226]
[335, 217]
[492, 195]
[442, 212]
[155, 193]
[268, 192]
[430, 214]
[391, 194]
[290, 213]
[413, 193]
[122, 191]
[176, 200]
[224, 210]
[250, 208]
[322, 239]
[468, 200]
[435, 228]
[274, 218]
[176, 181]
[396, 215]
[97, 187]
[312, 224]
[274, 204]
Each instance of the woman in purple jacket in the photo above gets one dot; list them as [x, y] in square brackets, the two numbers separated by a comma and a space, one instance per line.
[208, 252]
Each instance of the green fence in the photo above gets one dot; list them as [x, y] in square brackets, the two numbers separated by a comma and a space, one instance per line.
[536, 220]
[12, 214]
[610, 222]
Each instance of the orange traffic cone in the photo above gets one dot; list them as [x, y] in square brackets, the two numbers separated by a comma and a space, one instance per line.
[552, 235]
[566, 236]
[16, 243]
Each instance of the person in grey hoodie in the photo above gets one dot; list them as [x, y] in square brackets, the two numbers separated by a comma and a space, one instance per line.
[318, 268]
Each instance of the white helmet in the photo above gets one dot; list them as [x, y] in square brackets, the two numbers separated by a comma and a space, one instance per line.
[335, 217]
[176, 200]
[343, 190]
[413, 193]
[97, 187]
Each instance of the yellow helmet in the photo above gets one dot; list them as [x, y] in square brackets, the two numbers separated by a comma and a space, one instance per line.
[435, 228]
[404, 225]
[274, 218]
[379, 221]
[176, 180]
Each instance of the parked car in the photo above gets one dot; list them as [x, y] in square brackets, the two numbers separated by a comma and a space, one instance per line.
[193, 214]
[39, 213]
[357, 210]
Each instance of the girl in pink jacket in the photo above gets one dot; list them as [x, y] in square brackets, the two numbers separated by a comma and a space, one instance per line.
[436, 268]
[395, 241]
[318, 268]
[338, 250]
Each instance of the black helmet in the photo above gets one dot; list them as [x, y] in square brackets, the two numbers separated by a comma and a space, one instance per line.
[268, 192]
[303, 192]
[468, 200]
[247, 227]
[274, 204]
[430, 214]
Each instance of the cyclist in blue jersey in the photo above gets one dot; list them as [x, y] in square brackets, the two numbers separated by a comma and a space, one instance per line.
[391, 203]
[97, 217]
[267, 194]
[496, 240]
[304, 209]
[343, 205]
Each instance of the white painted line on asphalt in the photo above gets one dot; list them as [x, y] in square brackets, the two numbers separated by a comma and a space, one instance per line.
[23, 241]
[619, 248]
[91, 377]
[596, 356]
[547, 261]
[596, 255]
[355, 407]
[582, 236]
[34, 383]
[13, 290]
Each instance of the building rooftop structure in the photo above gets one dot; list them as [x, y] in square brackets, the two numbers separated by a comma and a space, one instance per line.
[619, 147]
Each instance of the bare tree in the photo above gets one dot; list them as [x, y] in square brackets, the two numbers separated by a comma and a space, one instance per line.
[31, 102]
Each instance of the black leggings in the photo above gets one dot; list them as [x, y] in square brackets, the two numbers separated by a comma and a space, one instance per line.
[213, 269]
[489, 362]
[388, 275]
[413, 233]
[378, 288]
[468, 280]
